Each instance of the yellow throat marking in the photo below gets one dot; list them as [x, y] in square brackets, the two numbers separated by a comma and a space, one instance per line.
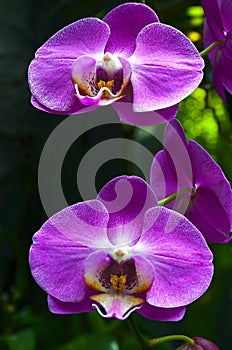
[118, 282]
[108, 84]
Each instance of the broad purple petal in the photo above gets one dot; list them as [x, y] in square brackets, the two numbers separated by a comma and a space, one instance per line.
[203, 206]
[126, 113]
[208, 40]
[226, 11]
[77, 108]
[210, 175]
[125, 22]
[176, 145]
[221, 62]
[126, 198]
[85, 223]
[163, 73]
[213, 17]
[63, 243]
[226, 62]
[181, 259]
[57, 267]
[171, 170]
[51, 84]
[163, 176]
[161, 314]
[59, 307]
[87, 36]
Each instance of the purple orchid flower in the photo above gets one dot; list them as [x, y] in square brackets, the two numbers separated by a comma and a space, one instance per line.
[218, 27]
[129, 58]
[206, 198]
[200, 344]
[121, 253]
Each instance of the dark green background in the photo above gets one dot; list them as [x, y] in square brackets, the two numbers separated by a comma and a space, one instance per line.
[25, 322]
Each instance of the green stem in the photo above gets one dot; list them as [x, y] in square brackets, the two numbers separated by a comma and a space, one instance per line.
[211, 47]
[136, 333]
[174, 196]
[161, 340]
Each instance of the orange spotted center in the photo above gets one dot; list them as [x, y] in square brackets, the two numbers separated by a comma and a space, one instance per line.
[108, 84]
[118, 282]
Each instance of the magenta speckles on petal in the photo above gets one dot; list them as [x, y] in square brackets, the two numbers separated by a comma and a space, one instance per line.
[126, 57]
[115, 255]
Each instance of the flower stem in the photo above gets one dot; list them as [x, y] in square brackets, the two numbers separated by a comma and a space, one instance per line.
[211, 47]
[174, 196]
[136, 333]
[161, 340]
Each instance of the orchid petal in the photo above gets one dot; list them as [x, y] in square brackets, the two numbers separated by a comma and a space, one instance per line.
[57, 267]
[59, 307]
[214, 19]
[163, 178]
[163, 73]
[226, 11]
[171, 170]
[204, 205]
[85, 223]
[63, 243]
[76, 40]
[208, 40]
[76, 108]
[183, 271]
[215, 180]
[51, 85]
[161, 314]
[126, 198]
[118, 307]
[126, 113]
[125, 22]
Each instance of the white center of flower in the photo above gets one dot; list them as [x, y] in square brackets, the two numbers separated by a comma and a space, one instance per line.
[111, 64]
[120, 254]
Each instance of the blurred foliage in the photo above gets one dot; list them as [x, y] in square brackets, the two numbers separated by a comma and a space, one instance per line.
[25, 322]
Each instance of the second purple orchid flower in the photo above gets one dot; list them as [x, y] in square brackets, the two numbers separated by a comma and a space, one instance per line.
[129, 59]
[205, 193]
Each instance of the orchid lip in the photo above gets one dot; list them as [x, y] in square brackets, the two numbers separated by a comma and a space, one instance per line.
[117, 284]
[100, 82]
